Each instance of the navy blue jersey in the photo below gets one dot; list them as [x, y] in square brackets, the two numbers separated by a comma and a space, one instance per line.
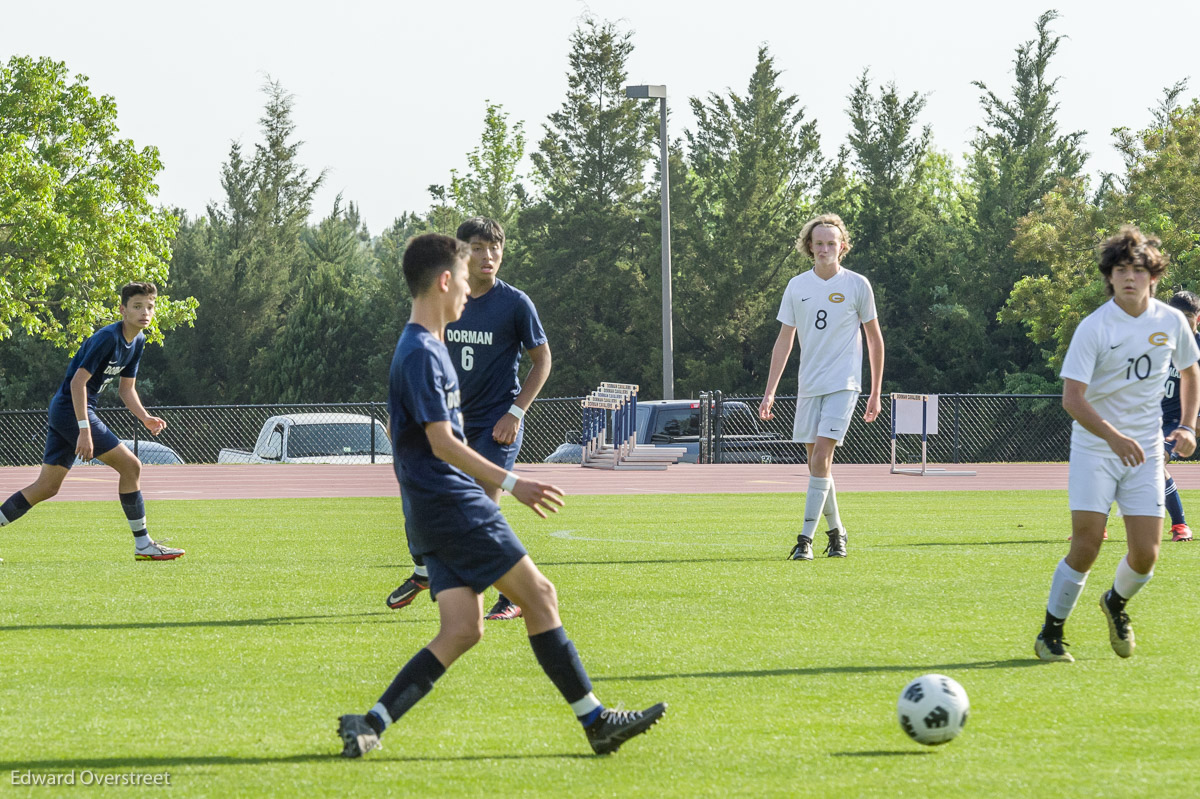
[485, 348]
[105, 354]
[440, 500]
[1170, 401]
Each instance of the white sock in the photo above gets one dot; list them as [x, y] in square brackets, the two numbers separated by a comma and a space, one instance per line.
[1065, 588]
[814, 503]
[833, 519]
[1128, 582]
[581, 707]
[382, 712]
[421, 571]
[141, 541]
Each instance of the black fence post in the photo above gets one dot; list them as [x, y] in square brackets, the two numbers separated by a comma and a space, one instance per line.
[957, 401]
[371, 406]
[718, 428]
[705, 420]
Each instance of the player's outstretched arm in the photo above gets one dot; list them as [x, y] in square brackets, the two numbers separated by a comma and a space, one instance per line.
[875, 356]
[779, 357]
[1075, 403]
[540, 497]
[128, 393]
[1189, 405]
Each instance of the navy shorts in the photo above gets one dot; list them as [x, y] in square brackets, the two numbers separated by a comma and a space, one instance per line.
[1169, 426]
[62, 434]
[475, 559]
[503, 455]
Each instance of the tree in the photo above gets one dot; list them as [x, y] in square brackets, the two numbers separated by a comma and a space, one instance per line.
[586, 248]
[76, 220]
[755, 166]
[1160, 192]
[1017, 158]
[903, 215]
[255, 256]
[491, 186]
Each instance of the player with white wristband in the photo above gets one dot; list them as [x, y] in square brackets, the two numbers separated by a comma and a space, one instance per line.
[1114, 377]
[498, 323]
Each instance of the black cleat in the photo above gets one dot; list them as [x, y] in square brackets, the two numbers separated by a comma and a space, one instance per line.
[1052, 649]
[802, 550]
[615, 727]
[503, 610]
[358, 737]
[407, 592]
[1120, 631]
[836, 548]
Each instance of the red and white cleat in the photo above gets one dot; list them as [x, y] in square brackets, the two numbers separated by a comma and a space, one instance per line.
[1181, 532]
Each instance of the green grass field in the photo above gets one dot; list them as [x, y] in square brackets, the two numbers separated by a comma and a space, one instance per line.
[228, 669]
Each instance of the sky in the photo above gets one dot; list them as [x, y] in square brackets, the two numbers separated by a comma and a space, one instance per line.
[390, 96]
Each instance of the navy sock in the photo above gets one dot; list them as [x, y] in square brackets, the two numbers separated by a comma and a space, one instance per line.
[1174, 503]
[135, 511]
[558, 658]
[13, 508]
[410, 686]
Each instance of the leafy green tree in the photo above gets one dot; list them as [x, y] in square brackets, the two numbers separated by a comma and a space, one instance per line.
[76, 220]
[586, 247]
[1160, 192]
[1018, 156]
[491, 185]
[755, 166]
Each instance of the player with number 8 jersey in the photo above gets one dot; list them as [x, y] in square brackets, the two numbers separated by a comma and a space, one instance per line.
[825, 310]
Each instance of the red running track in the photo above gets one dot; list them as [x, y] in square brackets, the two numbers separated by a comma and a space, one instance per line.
[266, 481]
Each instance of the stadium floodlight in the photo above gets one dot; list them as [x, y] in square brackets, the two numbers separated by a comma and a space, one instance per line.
[659, 93]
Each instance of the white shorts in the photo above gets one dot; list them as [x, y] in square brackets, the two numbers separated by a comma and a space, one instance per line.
[1095, 482]
[827, 416]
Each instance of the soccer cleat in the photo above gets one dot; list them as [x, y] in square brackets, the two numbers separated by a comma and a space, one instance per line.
[1181, 532]
[156, 551]
[503, 610]
[358, 737]
[802, 550]
[1052, 649]
[615, 727]
[1120, 633]
[836, 548]
[407, 592]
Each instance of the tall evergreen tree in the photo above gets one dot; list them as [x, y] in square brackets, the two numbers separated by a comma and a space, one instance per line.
[1018, 156]
[587, 249]
[755, 167]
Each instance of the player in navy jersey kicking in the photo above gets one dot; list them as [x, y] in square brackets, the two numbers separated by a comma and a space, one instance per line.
[456, 528]
[485, 347]
[74, 429]
[1189, 305]
[1114, 378]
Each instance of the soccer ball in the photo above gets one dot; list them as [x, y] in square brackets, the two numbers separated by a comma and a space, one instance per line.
[933, 709]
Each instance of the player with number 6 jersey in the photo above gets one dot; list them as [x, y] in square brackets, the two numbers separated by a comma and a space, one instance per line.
[825, 310]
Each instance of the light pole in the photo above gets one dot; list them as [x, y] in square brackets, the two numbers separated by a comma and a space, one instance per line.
[660, 93]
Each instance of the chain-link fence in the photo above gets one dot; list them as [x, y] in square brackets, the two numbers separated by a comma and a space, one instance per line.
[306, 433]
[974, 428]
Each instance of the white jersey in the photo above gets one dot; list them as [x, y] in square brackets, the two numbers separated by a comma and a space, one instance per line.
[1124, 360]
[827, 315]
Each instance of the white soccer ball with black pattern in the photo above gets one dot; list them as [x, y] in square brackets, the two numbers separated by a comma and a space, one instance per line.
[933, 709]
